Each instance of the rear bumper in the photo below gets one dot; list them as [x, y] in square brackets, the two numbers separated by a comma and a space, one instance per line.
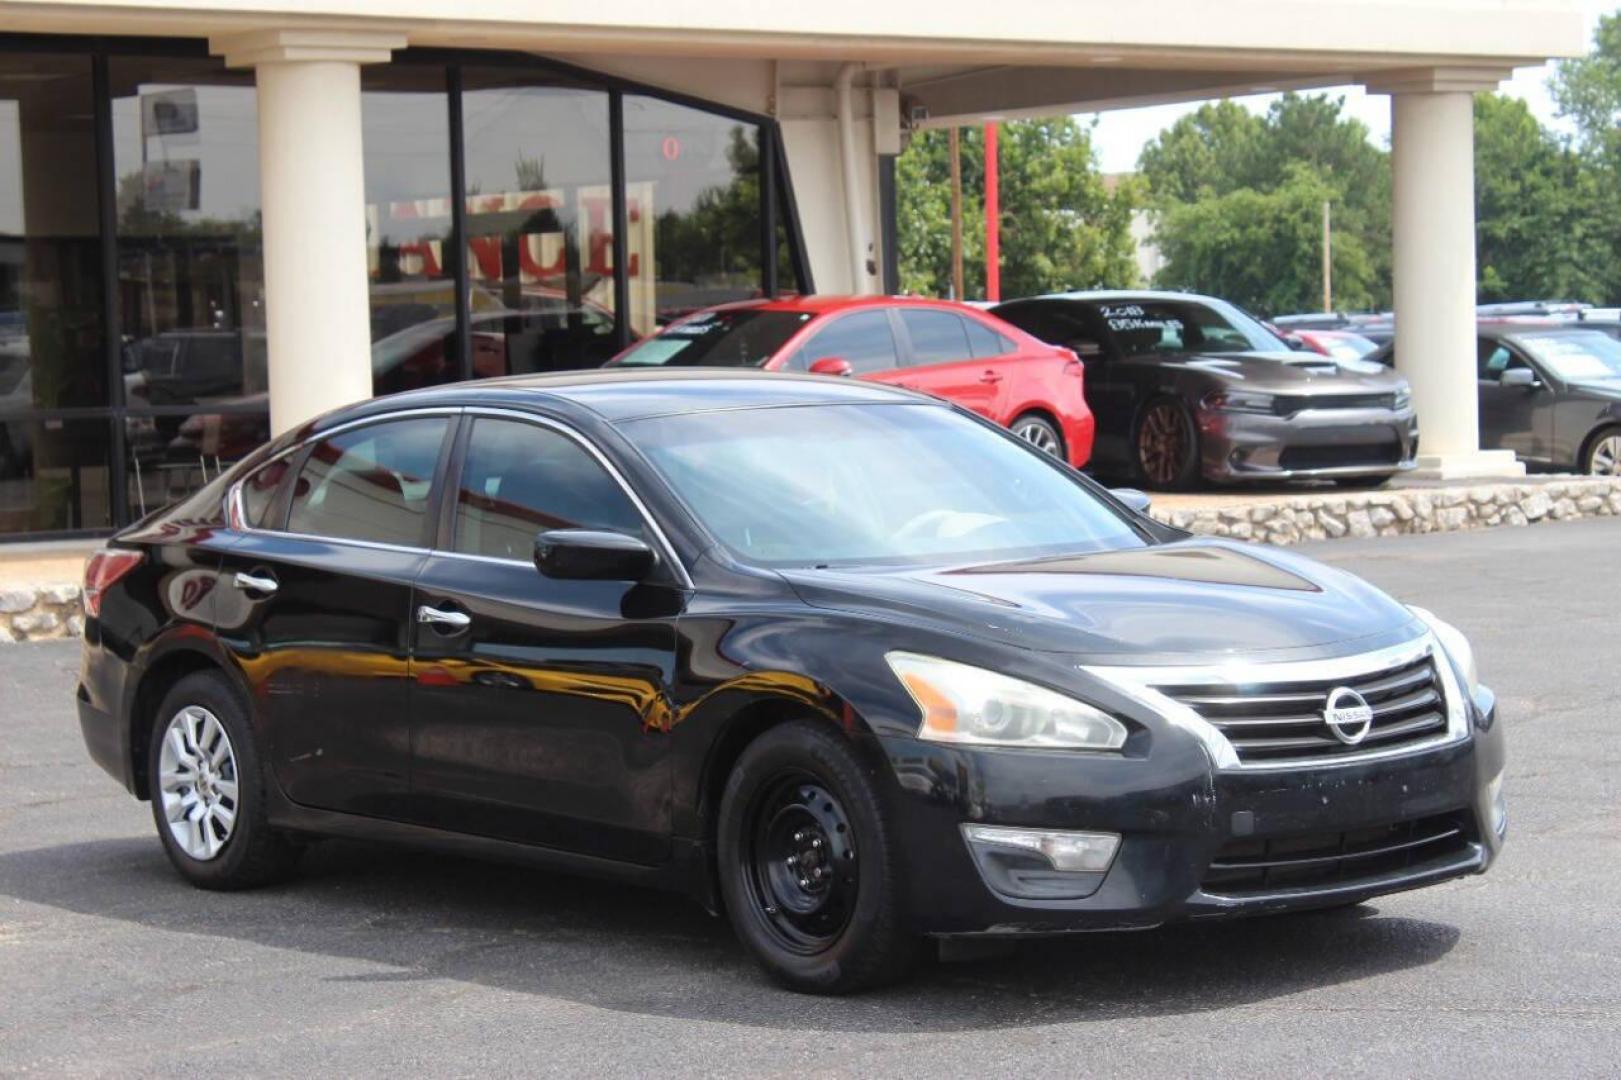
[1309, 444]
[1176, 817]
[100, 697]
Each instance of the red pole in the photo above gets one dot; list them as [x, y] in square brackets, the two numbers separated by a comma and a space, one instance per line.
[993, 236]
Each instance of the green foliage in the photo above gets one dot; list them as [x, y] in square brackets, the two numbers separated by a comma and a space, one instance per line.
[1061, 225]
[1239, 201]
[1539, 233]
[1588, 92]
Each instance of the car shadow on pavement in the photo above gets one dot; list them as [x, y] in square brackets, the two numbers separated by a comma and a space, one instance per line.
[407, 916]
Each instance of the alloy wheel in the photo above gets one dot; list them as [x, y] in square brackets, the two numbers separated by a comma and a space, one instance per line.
[1605, 460]
[1162, 443]
[1039, 436]
[198, 777]
[800, 866]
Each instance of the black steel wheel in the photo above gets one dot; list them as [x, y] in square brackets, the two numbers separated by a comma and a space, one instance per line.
[806, 866]
[1167, 446]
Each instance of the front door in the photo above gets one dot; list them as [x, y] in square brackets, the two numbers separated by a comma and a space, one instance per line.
[1512, 417]
[316, 605]
[541, 710]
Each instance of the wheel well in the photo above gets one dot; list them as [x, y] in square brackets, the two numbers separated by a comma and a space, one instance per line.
[155, 683]
[1592, 437]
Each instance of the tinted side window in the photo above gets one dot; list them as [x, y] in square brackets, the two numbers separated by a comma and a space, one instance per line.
[259, 493]
[370, 483]
[520, 479]
[1495, 358]
[1051, 323]
[863, 339]
[986, 342]
[938, 337]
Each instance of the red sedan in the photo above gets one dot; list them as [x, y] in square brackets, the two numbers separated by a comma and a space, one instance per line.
[949, 350]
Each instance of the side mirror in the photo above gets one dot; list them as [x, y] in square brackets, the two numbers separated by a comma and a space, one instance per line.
[592, 555]
[1519, 376]
[1134, 499]
[832, 365]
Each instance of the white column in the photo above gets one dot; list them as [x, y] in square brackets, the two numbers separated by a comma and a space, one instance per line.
[312, 194]
[1433, 162]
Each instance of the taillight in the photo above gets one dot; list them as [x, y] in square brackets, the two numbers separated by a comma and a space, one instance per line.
[105, 568]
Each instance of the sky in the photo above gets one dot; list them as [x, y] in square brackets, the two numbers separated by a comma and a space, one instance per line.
[1121, 135]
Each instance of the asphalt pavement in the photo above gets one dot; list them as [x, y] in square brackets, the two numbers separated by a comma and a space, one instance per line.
[379, 961]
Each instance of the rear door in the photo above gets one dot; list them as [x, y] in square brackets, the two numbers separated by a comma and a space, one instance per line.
[940, 360]
[316, 607]
[541, 711]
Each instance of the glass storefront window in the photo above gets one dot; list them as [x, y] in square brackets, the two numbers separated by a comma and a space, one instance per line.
[170, 457]
[539, 222]
[409, 251]
[695, 210]
[51, 335]
[53, 475]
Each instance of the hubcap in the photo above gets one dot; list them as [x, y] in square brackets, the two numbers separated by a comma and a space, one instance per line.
[1606, 460]
[1162, 444]
[198, 782]
[801, 863]
[1038, 436]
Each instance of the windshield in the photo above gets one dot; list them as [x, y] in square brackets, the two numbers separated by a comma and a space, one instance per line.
[873, 484]
[1169, 327]
[1576, 355]
[1346, 346]
[745, 337]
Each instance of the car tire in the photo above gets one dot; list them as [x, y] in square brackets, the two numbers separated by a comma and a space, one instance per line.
[1363, 482]
[1041, 434]
[208, 789]
[1165, 446]
[1602, 455]
[808, 870]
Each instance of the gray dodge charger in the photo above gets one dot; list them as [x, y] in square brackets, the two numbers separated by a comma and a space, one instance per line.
[1185, 387]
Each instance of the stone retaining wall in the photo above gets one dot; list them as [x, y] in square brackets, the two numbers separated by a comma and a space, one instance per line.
[1292, 519]
[28, 613]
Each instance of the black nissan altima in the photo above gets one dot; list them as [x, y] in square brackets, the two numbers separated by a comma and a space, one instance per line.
[849, 664]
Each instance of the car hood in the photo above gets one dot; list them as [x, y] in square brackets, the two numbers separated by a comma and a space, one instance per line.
[1289, 372]
[1194, 601]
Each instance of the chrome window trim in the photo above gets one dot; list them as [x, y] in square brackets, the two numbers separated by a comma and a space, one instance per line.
[1142, 683]
[666, 548]
[238, 523]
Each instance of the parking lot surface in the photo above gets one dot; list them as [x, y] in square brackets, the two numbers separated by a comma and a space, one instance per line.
[378, 961]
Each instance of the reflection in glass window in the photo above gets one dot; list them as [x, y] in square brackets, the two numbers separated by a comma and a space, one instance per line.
[258, 493]
[170, 457]
[863, 340]
[694, 210]
[539, 222]
[409, 255]
[370, 483]
[938, 337]
[521, 479]
[51, 337]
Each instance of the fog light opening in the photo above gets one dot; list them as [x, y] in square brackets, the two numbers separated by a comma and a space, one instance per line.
[1069, 852]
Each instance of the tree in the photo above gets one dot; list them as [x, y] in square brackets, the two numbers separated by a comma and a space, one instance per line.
[1062, 227]
[1538, 222]
[1587, 91]
[1213, 167]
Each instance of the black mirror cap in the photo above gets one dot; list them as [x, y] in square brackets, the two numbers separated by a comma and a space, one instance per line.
[1136, 501]
[593, 555]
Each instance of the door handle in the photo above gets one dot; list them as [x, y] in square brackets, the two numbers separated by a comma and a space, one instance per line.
[448, 622]
[991, 377]
[259, 583]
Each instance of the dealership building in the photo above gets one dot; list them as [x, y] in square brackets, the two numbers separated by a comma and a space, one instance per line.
[221, 217]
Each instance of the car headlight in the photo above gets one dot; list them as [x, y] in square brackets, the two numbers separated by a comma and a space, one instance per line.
[1402, 399]
[1248, 401]
[969, 705]
[1456, 645]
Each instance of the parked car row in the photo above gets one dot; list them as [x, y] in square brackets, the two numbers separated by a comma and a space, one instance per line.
[1162, 389]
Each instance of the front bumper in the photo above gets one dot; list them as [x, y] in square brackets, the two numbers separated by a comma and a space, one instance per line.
[1310, 444]
[1176, 816]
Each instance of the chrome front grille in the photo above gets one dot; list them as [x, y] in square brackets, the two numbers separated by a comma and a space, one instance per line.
[1282, 723]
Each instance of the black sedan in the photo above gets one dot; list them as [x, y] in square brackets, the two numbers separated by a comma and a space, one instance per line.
[1186, 387]
[847, 663]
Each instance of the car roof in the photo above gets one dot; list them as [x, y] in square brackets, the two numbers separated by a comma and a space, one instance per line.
[622, 394]
[822, 304]
[1122, 294]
